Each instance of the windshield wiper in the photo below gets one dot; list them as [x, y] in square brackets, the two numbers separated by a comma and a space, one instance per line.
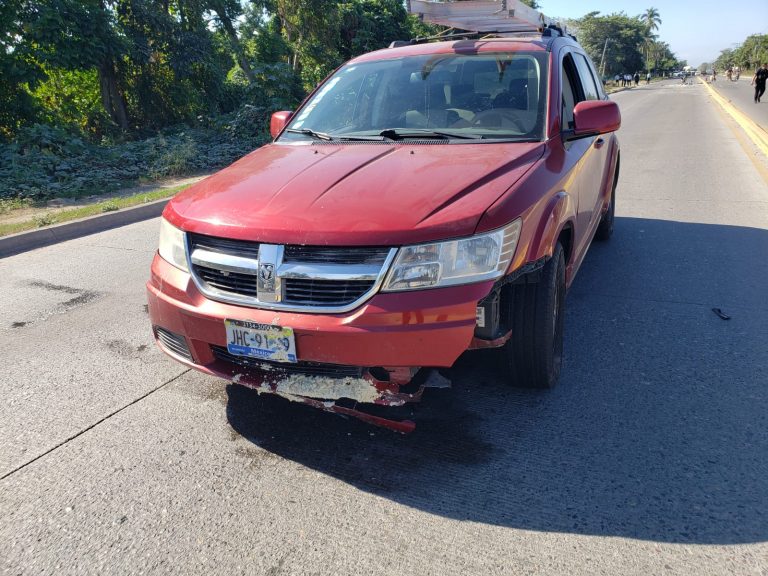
[327, 137]
[311, 133]
[403, 133]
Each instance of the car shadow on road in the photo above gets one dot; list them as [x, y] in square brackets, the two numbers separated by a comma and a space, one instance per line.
[657, 431]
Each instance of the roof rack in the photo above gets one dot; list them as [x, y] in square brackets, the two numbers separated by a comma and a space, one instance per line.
[494, 17]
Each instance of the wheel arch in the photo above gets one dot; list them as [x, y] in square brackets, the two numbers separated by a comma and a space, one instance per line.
[555, 225]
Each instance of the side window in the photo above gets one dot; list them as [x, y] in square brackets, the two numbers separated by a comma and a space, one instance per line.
[598, 80]
[570, 91]
[587, 80]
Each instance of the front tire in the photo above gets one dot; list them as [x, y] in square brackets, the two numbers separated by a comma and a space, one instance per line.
[533, 356]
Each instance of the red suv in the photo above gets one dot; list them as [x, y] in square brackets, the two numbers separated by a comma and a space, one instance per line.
[424, 200]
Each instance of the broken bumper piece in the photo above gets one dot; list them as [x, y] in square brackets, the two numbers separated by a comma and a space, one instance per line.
[357, 396]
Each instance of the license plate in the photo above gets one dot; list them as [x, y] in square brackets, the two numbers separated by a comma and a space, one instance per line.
[263, 341]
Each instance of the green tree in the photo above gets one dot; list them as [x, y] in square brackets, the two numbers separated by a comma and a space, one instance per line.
[321, 34]
[624, 35]
[366, 25]
[752, 52]
[651, 19]
[78, 35]
[305, 25]
[18, 71]
[725, 60]
[228, 11]
[71, 98]
[664, 60]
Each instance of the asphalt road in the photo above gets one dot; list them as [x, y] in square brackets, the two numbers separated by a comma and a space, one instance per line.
[651, 457]
[742, 95]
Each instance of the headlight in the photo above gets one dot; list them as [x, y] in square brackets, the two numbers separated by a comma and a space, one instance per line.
[172, 245]
[462, 261]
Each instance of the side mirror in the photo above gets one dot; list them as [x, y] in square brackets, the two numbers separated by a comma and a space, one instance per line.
[279, 121]
[595, 117]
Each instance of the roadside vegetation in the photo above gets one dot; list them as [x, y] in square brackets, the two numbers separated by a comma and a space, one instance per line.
[748, 56]
[622, 44]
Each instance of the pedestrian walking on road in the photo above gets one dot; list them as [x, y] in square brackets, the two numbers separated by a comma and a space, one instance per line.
[648, 78]
[637, 78]
[759, 81]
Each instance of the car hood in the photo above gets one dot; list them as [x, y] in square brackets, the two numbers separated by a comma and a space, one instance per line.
[353, 194]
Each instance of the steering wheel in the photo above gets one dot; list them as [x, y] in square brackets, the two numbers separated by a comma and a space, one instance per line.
[494, 117]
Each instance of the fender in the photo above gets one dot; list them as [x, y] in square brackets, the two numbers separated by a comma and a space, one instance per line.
[559, 211]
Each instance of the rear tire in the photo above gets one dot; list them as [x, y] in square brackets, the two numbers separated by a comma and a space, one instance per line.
[532, 357]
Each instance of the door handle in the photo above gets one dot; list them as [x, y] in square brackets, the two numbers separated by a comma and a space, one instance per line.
[599, 143]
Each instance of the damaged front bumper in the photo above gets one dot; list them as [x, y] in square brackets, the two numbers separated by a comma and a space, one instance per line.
[350, 395]
[347, 362]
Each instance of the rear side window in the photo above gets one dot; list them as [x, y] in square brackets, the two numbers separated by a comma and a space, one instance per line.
[587, 80]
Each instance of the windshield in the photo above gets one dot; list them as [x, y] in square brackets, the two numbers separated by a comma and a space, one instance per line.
[488, 95]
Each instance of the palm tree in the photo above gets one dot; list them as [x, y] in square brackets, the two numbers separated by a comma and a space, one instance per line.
[651, 19]
[658, 51]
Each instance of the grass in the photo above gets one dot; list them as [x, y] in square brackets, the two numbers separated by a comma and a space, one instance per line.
[11, 204]
[111, 205]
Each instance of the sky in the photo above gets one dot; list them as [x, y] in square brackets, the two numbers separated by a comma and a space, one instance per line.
[696, 30]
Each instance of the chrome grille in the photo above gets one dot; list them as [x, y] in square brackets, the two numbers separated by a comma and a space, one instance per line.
[361, 255]
[228, 281]
[324, 292]
[329, 279]
[224, 245]
[307, 368]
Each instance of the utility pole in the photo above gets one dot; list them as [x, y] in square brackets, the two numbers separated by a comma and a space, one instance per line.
[602, 59]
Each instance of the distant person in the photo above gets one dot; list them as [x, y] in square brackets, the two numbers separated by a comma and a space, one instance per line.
[648, 78]
[637, 78]
[736, 72]
[616, 79]
[761, 75]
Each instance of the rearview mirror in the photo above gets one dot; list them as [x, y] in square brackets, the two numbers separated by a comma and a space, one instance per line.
[592, 117]
[279, 121]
